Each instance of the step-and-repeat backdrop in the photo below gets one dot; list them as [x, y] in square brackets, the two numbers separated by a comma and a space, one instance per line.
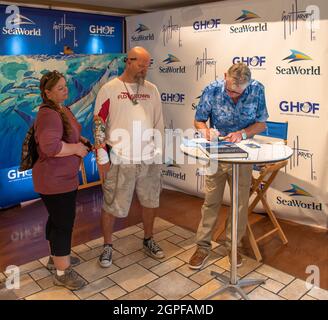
[31, 48]
[284, 42]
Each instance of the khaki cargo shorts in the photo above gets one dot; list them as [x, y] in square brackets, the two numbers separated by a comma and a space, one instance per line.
[121, 181]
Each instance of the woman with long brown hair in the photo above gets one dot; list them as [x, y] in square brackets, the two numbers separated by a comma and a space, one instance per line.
[55, 174]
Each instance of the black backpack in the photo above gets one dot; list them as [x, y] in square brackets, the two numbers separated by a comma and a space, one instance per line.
[29, 154]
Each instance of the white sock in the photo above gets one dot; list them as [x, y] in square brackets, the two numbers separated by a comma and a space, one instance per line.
[60, 272]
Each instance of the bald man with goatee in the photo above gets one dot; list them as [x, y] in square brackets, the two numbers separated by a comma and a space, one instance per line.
[128, 128]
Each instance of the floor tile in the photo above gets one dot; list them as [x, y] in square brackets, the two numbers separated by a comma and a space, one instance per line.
[167, 266]
[188, 243]
[157, 297]
[40, 274]
[27, 287]
[275, 274]
[132, 277]
[175, 239]
[94, 287]
[114, 292]
[209, 288]
[272, 285]
[54, 293]
[254, 276]
[169, 249]
[134, 257]
[127, 244]
[295, 290]
[263, 294]
[92, 271]
[187, 298]
[97, 296]
[161, 224]
[149, 262]
[204, 275]
[173, 286]
[318, 293]
[142, 293]
[95, 243]
[28, 267]
[186, 271]
[162, 235]
[181, 232]
[80, 248]
[307, 297]
[46, 283]
[127, 231]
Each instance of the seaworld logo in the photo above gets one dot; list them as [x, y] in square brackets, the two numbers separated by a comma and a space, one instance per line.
[16, 21]
[248, 15]
[296, 191]
[170, 69]
[297, 56]
[137, 36]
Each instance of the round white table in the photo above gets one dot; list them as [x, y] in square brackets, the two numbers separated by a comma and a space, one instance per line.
[258, 153]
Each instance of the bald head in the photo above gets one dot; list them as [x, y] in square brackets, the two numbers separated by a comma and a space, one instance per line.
[137, 64]
[139, 53]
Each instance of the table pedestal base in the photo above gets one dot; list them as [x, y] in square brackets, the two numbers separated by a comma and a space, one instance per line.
[233, 287]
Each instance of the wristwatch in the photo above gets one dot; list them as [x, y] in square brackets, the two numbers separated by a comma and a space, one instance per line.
[243, 134]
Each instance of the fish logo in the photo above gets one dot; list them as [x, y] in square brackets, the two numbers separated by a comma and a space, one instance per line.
[171, 58]
[20, 20]
[297, 191]
[141, 28]
[297, 56]
[247, 15]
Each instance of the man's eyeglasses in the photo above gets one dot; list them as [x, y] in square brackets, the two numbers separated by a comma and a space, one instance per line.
[232, 92]
[139, 64]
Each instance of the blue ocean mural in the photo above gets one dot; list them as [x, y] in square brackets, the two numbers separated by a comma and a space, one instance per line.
[20, 99]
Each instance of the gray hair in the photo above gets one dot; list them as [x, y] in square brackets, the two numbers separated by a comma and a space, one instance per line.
[240, 74]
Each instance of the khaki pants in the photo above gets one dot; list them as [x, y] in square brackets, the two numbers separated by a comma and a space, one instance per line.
[215, 185]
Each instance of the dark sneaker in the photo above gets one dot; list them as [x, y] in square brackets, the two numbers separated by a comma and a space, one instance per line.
[70, 280]
[105, 259]
[51, 265]
[198, 259]
[239, 258]
[153, 249]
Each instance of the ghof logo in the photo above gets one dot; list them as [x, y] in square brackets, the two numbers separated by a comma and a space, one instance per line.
[256, 61]
[299, 108]
[173, 98]
[204, 25]
[102, 30]
[19, 175]
[247, 15]
[297, 191]
[142, 37]
[297, 56]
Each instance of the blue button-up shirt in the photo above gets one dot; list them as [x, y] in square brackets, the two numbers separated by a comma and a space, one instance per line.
[224, 114]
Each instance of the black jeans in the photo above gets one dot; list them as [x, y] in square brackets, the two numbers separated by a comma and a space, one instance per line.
[59, 227]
